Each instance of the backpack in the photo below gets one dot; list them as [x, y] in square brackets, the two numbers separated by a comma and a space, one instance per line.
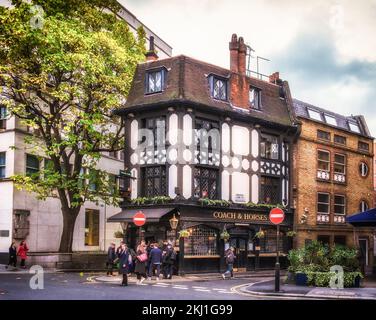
[173, 255]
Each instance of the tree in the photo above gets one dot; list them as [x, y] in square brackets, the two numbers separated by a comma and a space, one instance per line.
[64, 68]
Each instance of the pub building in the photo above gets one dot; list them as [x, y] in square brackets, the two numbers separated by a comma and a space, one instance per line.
[209, 153]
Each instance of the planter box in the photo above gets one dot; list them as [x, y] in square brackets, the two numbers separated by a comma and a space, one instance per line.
[301, 279]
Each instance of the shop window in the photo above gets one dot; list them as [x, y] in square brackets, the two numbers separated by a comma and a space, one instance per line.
[2, 164]
[270, 190]
[268, 244]
[201, 242]
[154, 181]
[340, 241]
[91, 227]
[205, 183]
[32, 165]
[325, 240]
[269, 147]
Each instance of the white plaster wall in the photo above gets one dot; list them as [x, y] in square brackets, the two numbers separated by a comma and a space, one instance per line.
[255, 188]
[187, 181]
[173, 129]
[6, 210]
[255, 143]
[240, 185]
[240, 140]
[225, 185]
[225, 137]
[172, 180]
[187, 130]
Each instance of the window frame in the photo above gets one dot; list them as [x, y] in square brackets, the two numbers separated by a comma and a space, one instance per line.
[353, 125]
[341, 137]
[278, 185]
[328, 116]
[309, 110]
[363, 204]
[326, 161]
[323, 132]
[264, 138]
[161, 177]
[344, 205]
[339, 163]
[209, 179]
[362, 165]
[258, 105]
[213, 78]
[28, 168]
[323, 203]
[95, 216]
[148, 75]
[3, 117]
[364, 144]
[3, 167]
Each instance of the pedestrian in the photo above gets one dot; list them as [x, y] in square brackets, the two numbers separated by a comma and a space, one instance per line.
[124, 263]
[229, 259]
[12, 255]
[141, 260]
[119, 248]
[111, 258]
[155, 259]
[149, 247]
[22, 253]
[169, 258]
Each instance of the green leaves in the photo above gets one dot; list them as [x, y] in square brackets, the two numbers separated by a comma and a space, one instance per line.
[63, 82]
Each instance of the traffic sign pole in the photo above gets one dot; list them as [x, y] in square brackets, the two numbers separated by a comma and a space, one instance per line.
[276, 216]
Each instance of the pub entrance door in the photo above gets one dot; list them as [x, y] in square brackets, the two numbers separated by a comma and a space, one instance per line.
[240, 246]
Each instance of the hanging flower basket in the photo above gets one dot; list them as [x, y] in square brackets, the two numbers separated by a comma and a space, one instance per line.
[119, 235]
[260, 234]
[225, 235]
[184, 233]
[291, 234]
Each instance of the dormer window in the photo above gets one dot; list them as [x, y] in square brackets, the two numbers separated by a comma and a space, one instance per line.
[155, 81]
[218, 88]
[255, 98]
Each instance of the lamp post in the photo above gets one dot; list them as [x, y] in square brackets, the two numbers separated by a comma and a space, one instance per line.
[174, 224]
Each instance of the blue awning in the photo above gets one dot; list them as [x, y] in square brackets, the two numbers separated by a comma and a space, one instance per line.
[363, 219]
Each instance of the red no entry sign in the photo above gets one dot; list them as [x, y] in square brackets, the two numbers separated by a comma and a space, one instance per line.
[139, 219]
[276, 216]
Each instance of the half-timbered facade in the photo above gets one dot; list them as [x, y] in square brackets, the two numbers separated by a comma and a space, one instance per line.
[212, 147]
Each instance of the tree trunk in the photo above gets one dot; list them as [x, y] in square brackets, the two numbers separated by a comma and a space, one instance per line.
[69, 221]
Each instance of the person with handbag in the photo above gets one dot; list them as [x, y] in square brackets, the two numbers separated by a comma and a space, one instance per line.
[124, 263]
[22, 253]
[141, 260]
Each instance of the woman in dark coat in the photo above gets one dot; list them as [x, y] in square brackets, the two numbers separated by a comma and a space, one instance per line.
[140, 268]
[123, 256]
[111, 257]
[12, 255]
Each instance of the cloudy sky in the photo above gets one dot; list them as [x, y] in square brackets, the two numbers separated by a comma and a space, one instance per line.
[325, 49]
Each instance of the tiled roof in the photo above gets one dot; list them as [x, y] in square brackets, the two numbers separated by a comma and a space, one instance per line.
[187, 81]
[302, 108]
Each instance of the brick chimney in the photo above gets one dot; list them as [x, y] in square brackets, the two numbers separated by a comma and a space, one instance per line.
[239, 86]
[274, 78]
[151, 55]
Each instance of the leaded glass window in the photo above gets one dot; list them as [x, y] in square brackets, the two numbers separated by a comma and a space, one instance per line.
[268, 243]
[269, 147]
[158, 127]
[270, 190]
[154, 178]
[219, 88]
[205, 183]
[155, 81]
[201, 242]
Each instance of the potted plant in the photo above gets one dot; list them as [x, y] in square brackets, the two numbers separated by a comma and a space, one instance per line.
[291, 233]
[260, 234]
[225, 235]
[184, 233]
[119, 235]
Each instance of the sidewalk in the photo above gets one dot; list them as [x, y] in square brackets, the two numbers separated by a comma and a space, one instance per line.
[18, 270]
[266, 289]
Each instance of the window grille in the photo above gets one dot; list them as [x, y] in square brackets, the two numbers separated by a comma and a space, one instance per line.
[201, 242]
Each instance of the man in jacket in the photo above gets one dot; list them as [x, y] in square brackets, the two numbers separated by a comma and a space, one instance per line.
[124, 263]
[155, 259]
[229, 259]
[168, 261]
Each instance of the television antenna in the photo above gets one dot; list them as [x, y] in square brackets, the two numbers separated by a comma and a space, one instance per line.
[250, 50]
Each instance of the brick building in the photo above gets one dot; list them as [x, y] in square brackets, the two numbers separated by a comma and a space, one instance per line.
[333, 161]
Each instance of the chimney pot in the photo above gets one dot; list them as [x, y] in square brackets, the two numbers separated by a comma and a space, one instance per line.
[151, 55]
[234, 53]
[274, 78]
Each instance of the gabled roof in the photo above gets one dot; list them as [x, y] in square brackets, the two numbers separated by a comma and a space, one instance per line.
[187, 81]
[302, 110]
